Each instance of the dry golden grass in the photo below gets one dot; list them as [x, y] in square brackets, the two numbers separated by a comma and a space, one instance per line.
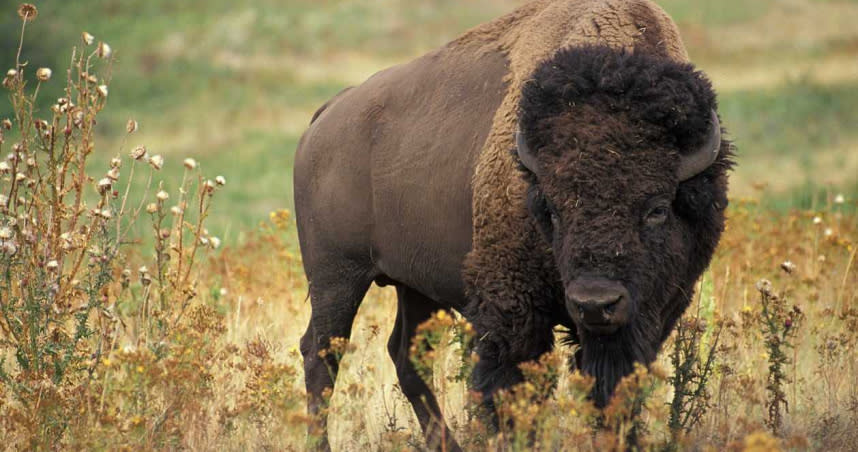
[367, 409]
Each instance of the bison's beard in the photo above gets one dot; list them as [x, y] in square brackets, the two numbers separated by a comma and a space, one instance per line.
[610, 358]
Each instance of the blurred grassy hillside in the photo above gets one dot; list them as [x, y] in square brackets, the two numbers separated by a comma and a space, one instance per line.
[234, 83]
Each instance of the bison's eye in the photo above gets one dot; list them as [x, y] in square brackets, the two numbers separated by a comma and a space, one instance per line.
[552, 213]
[555, 220]
[657, 215]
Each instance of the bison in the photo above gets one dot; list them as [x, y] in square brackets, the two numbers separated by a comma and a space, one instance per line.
[561, 165]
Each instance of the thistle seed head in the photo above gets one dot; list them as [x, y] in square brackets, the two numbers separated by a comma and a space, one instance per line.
[8, 247]
[138, 153]
[43, 74]
[156, 161]
[27, 12]
[104, 50]
[104, 185]
[764, 286]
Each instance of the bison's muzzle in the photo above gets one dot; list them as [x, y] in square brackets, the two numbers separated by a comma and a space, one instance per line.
[601, 306]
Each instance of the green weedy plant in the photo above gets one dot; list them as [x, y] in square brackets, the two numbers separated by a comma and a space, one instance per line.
[694, 360]
[780, 325]
[67, 299]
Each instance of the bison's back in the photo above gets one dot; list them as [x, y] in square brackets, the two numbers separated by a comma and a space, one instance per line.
[385, 168]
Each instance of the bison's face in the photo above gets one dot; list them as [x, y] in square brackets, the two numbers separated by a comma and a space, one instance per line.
[608, 196]
[627, 172]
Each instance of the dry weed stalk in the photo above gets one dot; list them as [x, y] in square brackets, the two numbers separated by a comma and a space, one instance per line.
[779, 324]
[83, 348]
[694, 359]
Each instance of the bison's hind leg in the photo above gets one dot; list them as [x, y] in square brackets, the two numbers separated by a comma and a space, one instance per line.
[413, 309]
[335, 295]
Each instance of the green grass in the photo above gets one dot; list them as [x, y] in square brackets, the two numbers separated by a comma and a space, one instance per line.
[792, 120]
[813, 196]
[710, 14]
[797, 138]
[257, 166]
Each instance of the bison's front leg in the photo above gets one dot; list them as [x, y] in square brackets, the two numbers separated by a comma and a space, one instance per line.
[514, 298]
[502, 347]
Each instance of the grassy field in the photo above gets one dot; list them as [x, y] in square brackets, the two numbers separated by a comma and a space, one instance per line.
[233, 85]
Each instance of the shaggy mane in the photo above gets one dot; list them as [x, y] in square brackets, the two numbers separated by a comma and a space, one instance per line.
[664, 102]
[647, 89]
[511, 279]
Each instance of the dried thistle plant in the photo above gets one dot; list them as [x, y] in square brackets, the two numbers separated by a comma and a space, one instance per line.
[779, 324]
[694, 359]
[68, 302]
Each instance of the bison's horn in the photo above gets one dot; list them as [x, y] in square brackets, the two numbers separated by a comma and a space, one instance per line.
[524, 154]
[693, 164]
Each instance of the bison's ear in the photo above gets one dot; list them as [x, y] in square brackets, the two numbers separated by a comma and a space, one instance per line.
[697, 161]
[527, 157]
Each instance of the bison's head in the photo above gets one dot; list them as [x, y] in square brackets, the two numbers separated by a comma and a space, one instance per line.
[627, 182]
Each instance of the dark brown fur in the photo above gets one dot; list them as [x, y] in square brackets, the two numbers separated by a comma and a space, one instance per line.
[608, 126]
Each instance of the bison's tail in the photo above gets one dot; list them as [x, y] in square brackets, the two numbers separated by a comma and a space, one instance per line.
[328, 104]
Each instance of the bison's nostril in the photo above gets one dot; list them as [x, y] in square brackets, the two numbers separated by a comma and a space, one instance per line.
[612, 306]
